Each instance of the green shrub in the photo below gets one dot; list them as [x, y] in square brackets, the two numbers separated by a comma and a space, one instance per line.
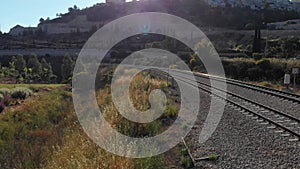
[213, 157]
[254, 73]
[264, 64]
[34, 89]
[257, 56]
[5, 91]
[266, 84]
[21, 93]
[171, 111]
[186, 161]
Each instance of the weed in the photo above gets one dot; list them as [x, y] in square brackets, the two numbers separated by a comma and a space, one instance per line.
[213, 157]
[186, 161]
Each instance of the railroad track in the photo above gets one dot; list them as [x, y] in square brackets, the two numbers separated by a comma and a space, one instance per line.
[284, 124]
[261, 113]
[289, 125]
[269, 91]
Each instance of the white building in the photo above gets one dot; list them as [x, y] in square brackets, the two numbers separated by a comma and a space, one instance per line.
[254, 4]
[19, 30]
[78, 24]
[116, 1]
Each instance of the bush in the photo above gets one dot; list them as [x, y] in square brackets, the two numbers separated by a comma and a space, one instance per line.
[2, 106]
[5, 91]
[171, 111]
[264, 64]
[254, 73]
[21, 93]
[8, 101]
[257, 56]
[34, 89]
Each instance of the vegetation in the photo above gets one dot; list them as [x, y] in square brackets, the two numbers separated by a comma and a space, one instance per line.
[197, 11]
[43, 131]
[266, 69]
[67, 68]
[31, 72]
[30, 86]
[213, 157]
[29, 132]
[21, 93]
[285, 47]
[186, 160]
[11, 97]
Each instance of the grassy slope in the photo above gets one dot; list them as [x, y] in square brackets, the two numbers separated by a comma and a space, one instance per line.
[44, 132]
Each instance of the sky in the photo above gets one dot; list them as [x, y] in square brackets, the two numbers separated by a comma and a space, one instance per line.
[28, 12]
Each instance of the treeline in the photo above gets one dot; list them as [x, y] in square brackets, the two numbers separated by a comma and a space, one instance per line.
[33, 70]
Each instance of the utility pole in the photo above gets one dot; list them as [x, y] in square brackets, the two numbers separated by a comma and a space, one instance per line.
[295, 72]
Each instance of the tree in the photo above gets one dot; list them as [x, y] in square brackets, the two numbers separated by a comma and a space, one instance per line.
[59, 15]
[67, 68]
[75, 7]
[47, 73]
[257, 41]
[20, 64]
[42, 20]
[35, 66]
[12, 69]
[70, 9]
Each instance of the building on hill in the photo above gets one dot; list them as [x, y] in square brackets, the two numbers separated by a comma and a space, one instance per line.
[116, 1]
[19, 30]
[79, 24]
[254, 4]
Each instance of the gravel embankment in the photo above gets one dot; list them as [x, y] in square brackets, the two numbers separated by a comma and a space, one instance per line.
[242, 142]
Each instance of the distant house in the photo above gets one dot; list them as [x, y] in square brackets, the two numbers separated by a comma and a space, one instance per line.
[254, 4]
[19, 30]
[116, 1]
[79, 24]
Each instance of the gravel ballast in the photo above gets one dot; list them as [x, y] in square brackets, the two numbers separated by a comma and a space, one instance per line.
[243, 142]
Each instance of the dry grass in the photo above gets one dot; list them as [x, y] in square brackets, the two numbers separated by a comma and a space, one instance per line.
[78, 151]
[57, 139]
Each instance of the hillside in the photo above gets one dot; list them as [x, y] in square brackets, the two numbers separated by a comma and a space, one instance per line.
[201, 13]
